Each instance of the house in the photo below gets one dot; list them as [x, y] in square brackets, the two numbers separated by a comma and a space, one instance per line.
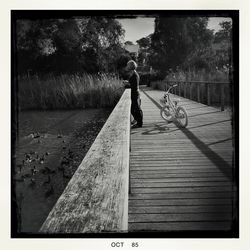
[133, 49]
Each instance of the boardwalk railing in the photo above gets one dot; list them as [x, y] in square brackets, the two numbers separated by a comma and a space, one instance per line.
[204, 91]
[96, 198]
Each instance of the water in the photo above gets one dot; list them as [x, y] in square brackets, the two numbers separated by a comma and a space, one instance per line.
[50, 147]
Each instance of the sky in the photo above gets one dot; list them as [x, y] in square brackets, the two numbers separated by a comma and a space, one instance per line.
[213, 23]
[137, 28]
[144, 26]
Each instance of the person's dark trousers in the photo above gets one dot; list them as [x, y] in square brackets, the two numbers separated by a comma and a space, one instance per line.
[136, 110]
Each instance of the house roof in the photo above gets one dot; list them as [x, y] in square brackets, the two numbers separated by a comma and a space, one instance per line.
[132, 48]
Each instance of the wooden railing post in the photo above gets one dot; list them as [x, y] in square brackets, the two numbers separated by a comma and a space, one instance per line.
[222, 97]
[179, 88]
[198, 93]
[185, 89]
[190, 90]
[208, 94]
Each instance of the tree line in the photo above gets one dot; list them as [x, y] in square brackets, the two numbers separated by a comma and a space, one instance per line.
[186, 43]
[86, 44]
[93, 44]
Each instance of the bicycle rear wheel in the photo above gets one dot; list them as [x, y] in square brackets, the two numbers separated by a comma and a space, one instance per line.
[166, 114]
[181, 117]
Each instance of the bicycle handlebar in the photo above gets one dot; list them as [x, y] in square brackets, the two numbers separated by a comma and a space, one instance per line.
[175, 85]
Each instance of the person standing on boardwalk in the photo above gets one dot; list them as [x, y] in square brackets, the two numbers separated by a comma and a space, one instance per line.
[133, 83]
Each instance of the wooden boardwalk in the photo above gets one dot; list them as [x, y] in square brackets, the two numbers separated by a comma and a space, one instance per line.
[181, 179]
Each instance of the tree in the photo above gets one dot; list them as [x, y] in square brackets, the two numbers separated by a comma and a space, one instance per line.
[88, 44]
[145, 45]
[225, 33]
[175, 38]
[67, 37]
[34, 36]
[145, 42]
[223, 45]
[33, 41]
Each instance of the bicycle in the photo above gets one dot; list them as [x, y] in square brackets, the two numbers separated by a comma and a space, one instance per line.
[171, 111]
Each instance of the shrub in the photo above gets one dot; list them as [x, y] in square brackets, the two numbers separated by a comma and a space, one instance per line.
[148, 78]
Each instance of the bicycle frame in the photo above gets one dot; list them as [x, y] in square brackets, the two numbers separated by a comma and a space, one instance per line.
[168, 100]
[172, 111]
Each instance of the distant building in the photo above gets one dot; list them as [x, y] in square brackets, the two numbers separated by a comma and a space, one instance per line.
[133, 49]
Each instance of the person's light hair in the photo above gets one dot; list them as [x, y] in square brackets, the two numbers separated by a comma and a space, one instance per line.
[131, 65]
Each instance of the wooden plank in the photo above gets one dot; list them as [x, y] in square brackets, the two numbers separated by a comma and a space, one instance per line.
[173, 217]
[177, 165]
[163, 184]
[96, 198]
[180, 202]
[186, 170]
[160, 178]
[183, 195]
[164, 158]
[178, 149]
[161, 156]
[180, 209]
[174, 158]
[180, 226]
[175, 151]
[180, 175]
[181, 189]
[180, 171]
[182, 162]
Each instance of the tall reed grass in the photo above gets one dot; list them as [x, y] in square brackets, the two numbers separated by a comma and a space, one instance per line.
[68, 91]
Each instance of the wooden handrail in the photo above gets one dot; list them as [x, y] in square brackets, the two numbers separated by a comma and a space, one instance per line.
[198, 82]
[207, 84]
[96, 198]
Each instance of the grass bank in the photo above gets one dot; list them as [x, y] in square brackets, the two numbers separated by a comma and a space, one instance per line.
[68, 91]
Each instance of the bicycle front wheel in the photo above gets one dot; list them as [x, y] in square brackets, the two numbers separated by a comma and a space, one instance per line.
[181, 117]
[166, 114]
